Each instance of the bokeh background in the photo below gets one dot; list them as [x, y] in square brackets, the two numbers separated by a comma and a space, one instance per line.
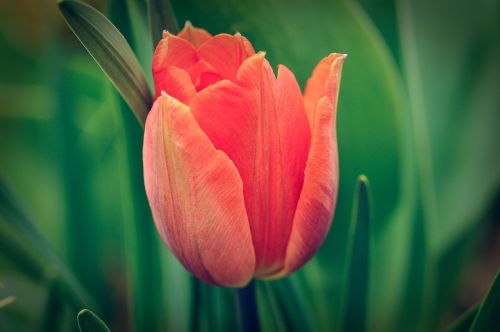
[418, 114]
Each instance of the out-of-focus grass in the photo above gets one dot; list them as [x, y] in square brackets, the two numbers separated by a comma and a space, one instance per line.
[62, 148]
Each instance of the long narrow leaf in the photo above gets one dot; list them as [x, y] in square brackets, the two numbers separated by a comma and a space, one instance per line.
[21, 240]
[297, 308]
[464, 322]
[356, 305]
[112, 53]
[161, 17]
[142, 252]
[488, 317]
[270, 312]
[90, 322]
[139, 34]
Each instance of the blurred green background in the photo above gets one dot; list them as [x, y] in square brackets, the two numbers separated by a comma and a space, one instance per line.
[418, 114]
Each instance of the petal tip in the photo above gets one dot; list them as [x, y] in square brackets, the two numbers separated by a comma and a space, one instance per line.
[172, 102]
[166, 34]
[195, 36]
[259, 56]
[337, 57]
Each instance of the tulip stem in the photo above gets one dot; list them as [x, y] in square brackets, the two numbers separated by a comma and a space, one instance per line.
[195, 304]
[247, 308]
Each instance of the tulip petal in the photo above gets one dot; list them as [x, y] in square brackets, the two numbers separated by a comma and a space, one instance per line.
[176, 52]
[315, 208]
[196, 196]
[176, 82]
[195, 36]
[202, 75]
[260, 123]
[316, 86]
[226, 53]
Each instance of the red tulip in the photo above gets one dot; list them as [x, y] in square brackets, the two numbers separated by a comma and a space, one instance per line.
[241, 170]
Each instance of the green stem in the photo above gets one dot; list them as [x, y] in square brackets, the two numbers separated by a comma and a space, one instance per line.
[195, 305]
[247, 308]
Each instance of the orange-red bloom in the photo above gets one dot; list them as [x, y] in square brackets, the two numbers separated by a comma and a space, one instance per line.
[241, 170]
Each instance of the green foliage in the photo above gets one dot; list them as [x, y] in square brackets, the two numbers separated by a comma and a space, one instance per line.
[22, 242]
[464, 322]
[358, 277]
[90, 322]
[487, 318]
[112, 52]
[161, 17]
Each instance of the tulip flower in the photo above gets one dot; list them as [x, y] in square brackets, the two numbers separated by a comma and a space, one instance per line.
[240, 168]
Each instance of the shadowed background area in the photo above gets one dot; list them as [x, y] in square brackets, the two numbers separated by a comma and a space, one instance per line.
[418, 114]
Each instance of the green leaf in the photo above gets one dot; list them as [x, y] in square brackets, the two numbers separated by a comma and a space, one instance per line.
[451, 86]
[177, 294]
[450, 266]
[358, 278]
[53, 309]
[161, 17]
[464, 322]
[488, 317]
[452, 82]
[414, 304]
[296, 307]
[20, 240]
[270, 310]
[142, 250]
[90, 322]
[112, 53]
[139, 34]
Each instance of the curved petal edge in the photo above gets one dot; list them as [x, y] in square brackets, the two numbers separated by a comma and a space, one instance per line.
[316, 204]
[196, 196]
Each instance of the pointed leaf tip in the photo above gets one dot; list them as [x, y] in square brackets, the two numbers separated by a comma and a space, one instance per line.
[363, 180]
[112, 53]
[358, 278]
[488, 318]
[90, 322]
[464, 322]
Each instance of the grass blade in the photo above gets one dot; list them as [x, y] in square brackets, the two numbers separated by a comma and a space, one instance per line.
[356, 300]
[112, 53]
[297, 308]
[270, 311]
[464, 322]
[20, 239]
[161, 17]
[488, 317]
[89, 322]
[146, 301]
